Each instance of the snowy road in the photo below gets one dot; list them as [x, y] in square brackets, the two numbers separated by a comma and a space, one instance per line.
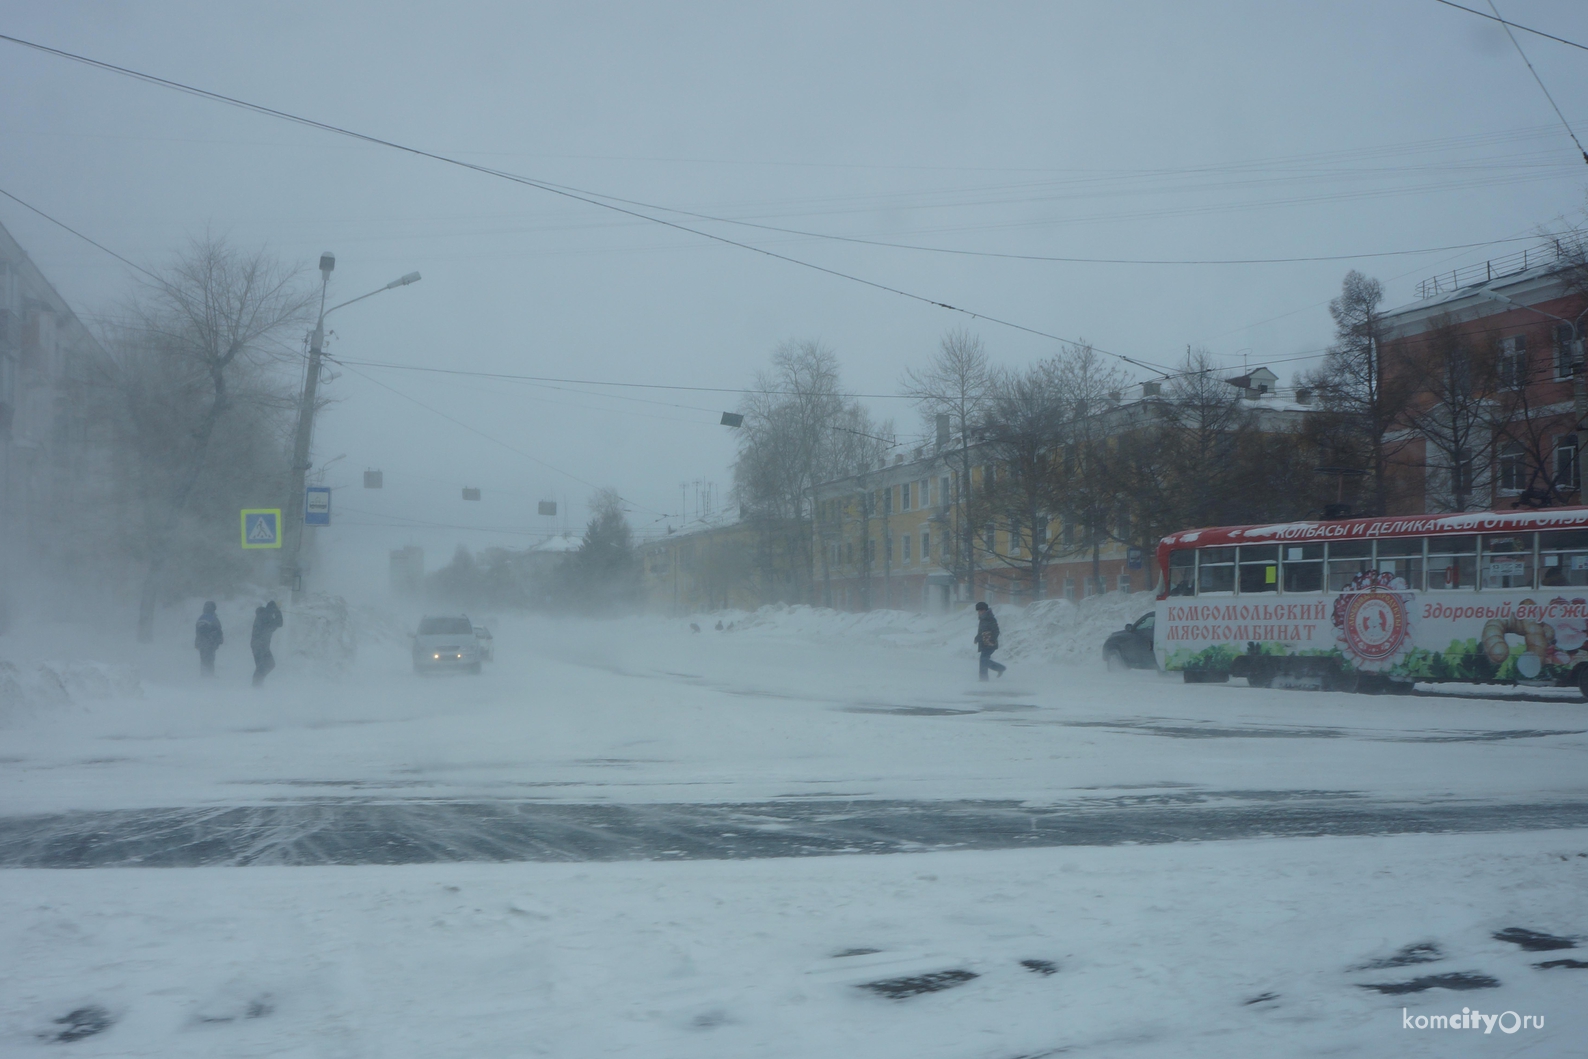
[440, 832]
[629, 839]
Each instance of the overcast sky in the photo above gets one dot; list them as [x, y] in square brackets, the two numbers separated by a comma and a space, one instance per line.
[1167, 130]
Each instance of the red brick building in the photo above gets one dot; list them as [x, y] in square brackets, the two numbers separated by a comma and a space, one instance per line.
[1492, 355]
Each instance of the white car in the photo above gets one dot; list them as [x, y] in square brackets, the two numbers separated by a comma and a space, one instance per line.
[446, 642]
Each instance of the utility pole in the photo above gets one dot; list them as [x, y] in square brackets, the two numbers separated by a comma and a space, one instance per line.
[291, 572]
[291, 559]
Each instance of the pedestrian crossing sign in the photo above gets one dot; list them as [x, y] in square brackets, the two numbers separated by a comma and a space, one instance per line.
[261, 527]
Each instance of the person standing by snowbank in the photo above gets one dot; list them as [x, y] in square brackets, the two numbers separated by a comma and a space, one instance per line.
[207, 637]
[267, 619]
[987, 640]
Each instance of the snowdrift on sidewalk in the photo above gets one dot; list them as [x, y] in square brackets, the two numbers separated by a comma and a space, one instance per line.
[53, 685]
[1050, 630]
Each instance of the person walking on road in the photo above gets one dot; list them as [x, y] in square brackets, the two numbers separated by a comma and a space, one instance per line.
[207, 637]
[987, 640]
[267, 619]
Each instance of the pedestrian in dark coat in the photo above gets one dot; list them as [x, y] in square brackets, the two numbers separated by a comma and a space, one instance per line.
[267, 619]
[207, 636]
[987, 640]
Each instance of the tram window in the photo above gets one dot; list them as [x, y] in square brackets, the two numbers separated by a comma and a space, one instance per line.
[1259, 568]
[1452, 563]
[1403, 557]
[1346, 560]
[1563, 558]
[1182, 572]
[1302, 567]
[1215, 570]
[1508, 561]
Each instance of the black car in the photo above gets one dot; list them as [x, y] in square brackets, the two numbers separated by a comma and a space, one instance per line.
[1131, 647]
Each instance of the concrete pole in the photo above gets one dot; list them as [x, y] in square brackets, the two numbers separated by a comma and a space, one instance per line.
[292, 528]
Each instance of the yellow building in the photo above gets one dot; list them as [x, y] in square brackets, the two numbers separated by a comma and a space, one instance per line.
[738, 566]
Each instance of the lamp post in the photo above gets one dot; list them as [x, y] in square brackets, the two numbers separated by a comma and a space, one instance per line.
[1579, 382]
[291, 570]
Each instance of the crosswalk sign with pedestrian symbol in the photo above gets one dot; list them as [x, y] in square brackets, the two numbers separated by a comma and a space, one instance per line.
[261, 527]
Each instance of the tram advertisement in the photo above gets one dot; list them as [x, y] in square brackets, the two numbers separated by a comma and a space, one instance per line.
[1378, 625]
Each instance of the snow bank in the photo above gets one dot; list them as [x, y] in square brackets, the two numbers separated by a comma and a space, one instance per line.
[319, 631]
[54, 685]
[1050, 630]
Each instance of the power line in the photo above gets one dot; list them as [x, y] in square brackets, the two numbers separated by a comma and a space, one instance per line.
[739, 391]
[566, 192]
[79, 234]
[1510, 25]
[1540, 81]
[495, 441]
[829, 236]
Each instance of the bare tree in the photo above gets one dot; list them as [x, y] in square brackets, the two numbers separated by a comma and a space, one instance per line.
[1024, 435]
[1366, 402]
[798, 433]
[1090, 467]
[216, 319]
[957, 383]
[1453, 407]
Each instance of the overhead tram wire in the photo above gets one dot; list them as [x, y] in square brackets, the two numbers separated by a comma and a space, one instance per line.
[860, 240]
[494, 440]
[1518, 45]
[1513, 25]
[596, 199]
[739, 390]
[80, 235]
[566, 192]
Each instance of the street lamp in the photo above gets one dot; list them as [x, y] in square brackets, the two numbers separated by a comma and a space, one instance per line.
[291, 571]
[1578, 380]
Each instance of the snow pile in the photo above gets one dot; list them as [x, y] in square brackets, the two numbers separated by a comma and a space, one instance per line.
[52, 685]
[1056, 630]
[319, 631]
[325, 633]
[1050, 630]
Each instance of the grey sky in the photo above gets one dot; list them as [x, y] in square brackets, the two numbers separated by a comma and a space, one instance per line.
[1120, 130]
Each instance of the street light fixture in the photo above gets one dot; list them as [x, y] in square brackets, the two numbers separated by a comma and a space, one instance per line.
[291, 571]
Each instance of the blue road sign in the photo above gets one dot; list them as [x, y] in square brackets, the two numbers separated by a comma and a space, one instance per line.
[261, 527]
[317, 506]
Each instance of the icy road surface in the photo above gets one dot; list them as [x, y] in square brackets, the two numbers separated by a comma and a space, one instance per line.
[643, 711]
[1082, 862]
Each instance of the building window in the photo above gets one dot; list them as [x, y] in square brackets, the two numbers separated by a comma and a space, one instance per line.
[942, 491]
[904, 547]
[1566, 356]
[904, 497]
[887, 550]
[1512, 364]
[926, 545]
[990, 535]
[1513, 469]
[1014, 538]
[1567, 477]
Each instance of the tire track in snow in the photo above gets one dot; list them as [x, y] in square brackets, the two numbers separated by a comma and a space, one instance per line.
[349, 833]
